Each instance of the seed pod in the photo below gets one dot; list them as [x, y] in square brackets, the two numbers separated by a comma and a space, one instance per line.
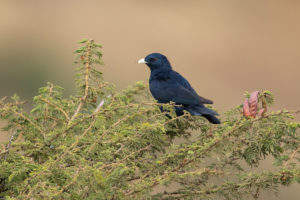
[253, 103]
[246, 111]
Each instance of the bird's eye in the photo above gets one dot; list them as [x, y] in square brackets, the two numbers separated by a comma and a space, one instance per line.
[153, 59]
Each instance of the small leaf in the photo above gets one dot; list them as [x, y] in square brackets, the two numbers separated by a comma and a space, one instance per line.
[84, 40]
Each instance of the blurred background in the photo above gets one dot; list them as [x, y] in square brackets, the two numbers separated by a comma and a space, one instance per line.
[222, 47]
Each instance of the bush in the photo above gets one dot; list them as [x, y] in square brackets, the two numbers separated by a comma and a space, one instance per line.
[106, 144]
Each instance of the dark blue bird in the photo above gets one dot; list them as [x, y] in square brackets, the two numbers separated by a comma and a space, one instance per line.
[167, 85]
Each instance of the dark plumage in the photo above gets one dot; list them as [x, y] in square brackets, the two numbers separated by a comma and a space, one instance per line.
[167, 85]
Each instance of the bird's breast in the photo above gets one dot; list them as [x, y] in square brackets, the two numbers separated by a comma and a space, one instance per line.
[160, 90]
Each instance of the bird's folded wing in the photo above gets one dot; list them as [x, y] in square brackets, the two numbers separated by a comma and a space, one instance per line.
[182, 95]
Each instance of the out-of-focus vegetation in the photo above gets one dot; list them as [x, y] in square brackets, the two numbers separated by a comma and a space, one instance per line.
[106, 144]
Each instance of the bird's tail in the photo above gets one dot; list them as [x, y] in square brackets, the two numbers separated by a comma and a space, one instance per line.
[205, 112]
[212, 119]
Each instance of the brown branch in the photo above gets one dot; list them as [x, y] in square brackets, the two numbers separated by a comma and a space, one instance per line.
[125, 158]
[74, 179]
[176, 118]
[86, 78]
[27, 119]
[1, 100]
[113, 126]
[292, 156]
[57, 107]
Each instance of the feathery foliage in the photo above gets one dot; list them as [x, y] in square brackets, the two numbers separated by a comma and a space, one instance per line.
[109, 144]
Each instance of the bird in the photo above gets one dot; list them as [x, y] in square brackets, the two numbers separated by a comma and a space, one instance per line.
[167, 85]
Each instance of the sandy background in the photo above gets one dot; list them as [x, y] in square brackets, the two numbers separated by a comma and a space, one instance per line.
[222, 47]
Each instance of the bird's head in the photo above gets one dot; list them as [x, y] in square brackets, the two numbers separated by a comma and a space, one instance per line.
[156, 61]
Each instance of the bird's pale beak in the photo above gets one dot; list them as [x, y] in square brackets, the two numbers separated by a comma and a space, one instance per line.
[142, 61]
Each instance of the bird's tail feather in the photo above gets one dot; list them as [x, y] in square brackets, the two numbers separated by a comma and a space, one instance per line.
[212, 119]
[200, 110]
[205, 112]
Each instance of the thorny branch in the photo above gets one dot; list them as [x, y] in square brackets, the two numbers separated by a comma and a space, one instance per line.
[86, 90]
[292, 156]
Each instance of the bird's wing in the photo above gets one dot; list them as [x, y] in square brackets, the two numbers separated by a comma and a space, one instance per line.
[171, 86]
[182, 95]
[185, 92]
